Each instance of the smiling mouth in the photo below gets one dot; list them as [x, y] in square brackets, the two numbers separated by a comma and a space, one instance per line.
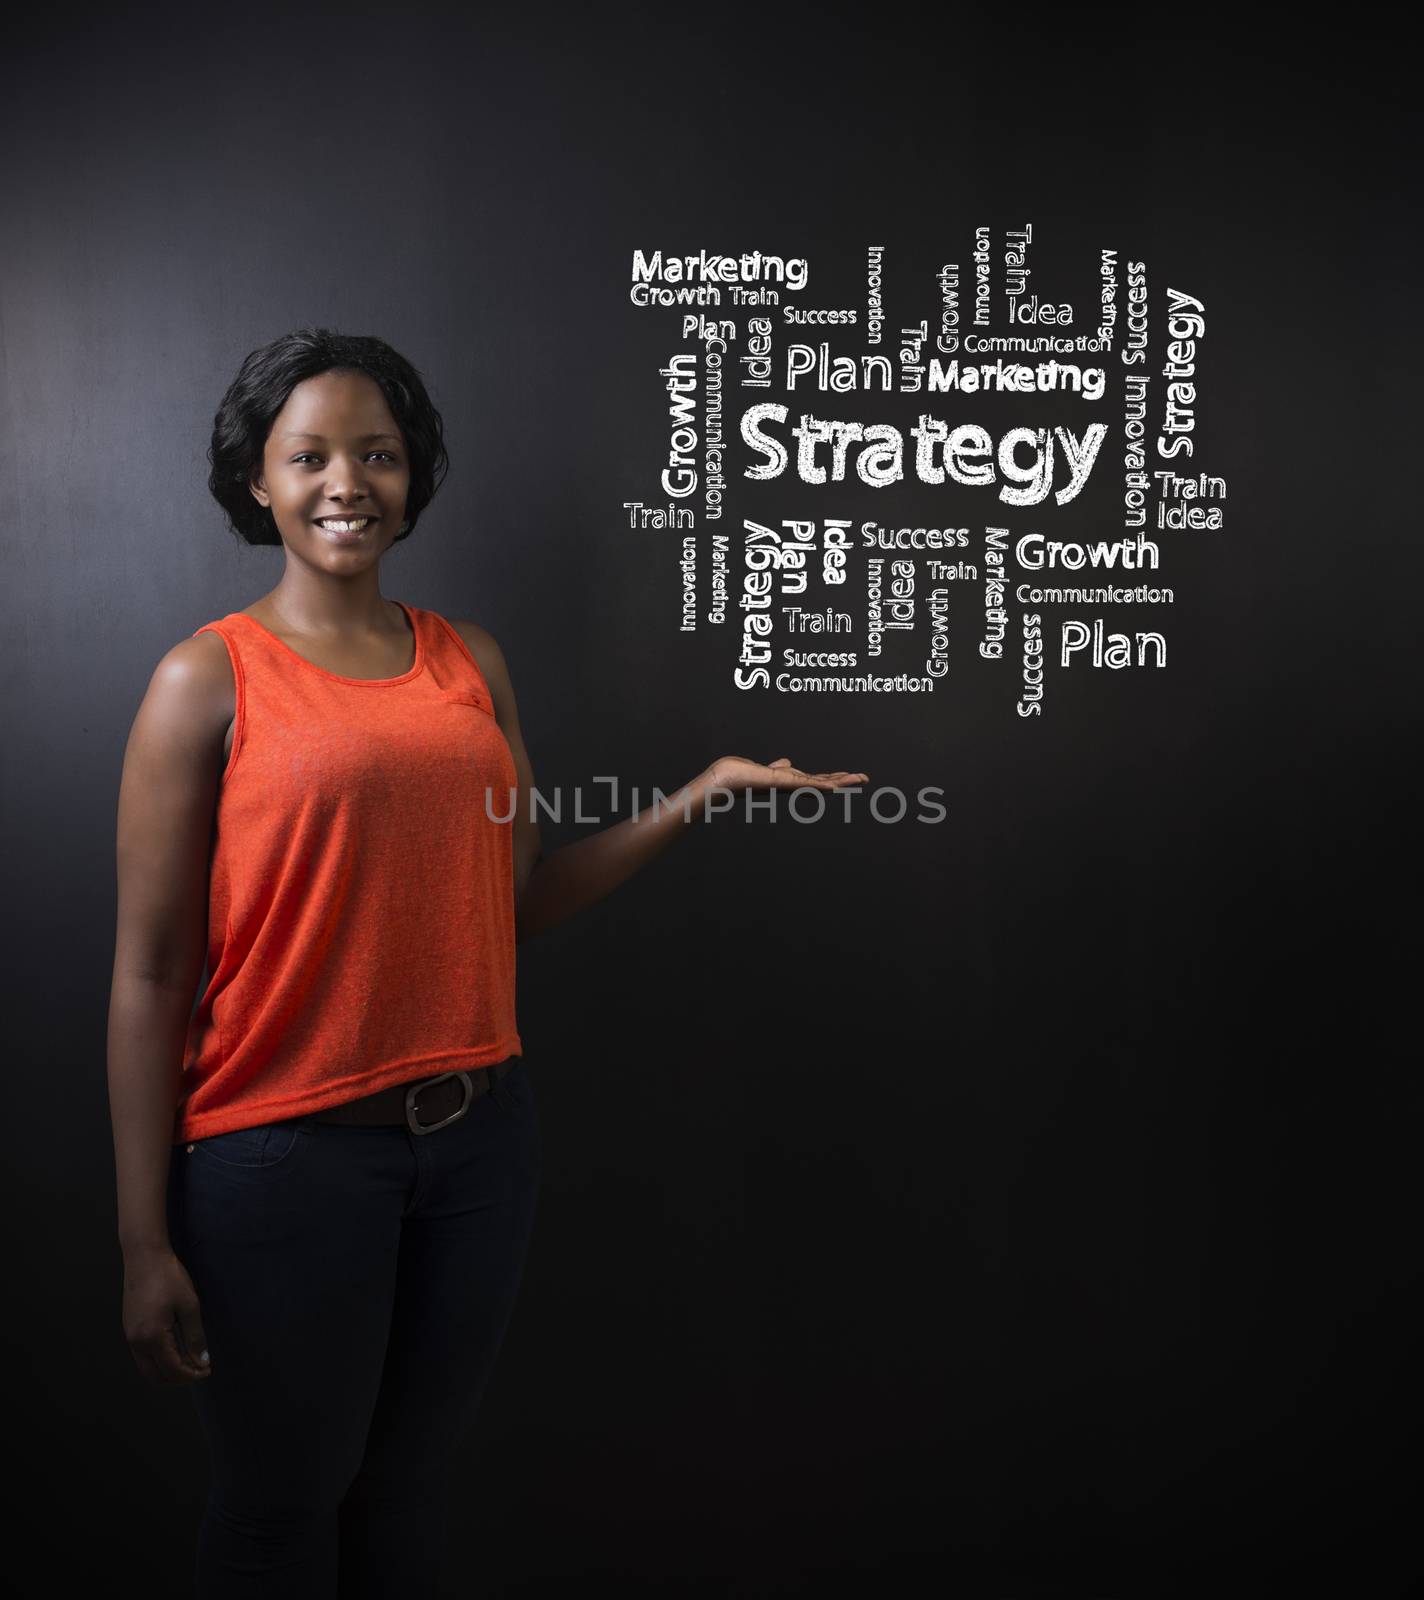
[349, 526]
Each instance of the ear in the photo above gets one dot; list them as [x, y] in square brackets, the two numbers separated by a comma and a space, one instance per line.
[257, 483]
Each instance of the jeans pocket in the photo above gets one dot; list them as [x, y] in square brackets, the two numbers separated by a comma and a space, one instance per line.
[267, 1144]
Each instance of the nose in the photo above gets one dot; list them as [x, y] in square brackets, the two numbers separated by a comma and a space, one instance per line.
[346, 481]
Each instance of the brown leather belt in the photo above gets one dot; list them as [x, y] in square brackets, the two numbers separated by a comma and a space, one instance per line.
[423, 1105]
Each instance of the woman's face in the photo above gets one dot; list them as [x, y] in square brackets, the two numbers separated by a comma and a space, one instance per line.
[335, 453]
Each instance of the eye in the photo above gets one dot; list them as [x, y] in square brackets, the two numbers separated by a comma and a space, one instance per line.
[309, 455]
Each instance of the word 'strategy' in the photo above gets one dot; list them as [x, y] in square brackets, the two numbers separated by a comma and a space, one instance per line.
[909, 593]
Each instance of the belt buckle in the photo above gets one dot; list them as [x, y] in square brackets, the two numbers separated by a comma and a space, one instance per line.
[430, 1127]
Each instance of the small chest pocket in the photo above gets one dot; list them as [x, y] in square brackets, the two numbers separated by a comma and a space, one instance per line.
[468, 697]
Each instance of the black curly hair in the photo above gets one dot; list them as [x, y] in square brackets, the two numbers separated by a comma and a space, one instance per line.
[259, 391]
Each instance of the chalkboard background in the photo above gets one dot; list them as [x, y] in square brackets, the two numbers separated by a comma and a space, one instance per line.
[1028, 1200]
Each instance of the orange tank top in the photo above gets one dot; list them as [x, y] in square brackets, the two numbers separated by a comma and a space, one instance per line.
[361, 892]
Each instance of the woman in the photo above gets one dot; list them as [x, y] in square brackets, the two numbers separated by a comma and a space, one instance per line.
[327, 1171]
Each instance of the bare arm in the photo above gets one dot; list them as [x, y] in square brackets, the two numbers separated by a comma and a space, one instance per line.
[549, 890]
[167, 797]
[584, 872]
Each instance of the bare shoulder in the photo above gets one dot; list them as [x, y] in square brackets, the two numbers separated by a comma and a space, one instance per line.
[191, 694]
[197, 671]
[484, 647]
[490, 659]
[201, 655]
[471, 632]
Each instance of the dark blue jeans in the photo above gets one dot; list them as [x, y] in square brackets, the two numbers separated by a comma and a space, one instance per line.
[355, 1284]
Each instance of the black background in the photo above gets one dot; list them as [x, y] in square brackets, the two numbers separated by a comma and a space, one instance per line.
[1027, 1200]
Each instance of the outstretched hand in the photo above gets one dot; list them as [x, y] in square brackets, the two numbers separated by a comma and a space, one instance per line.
[736, 773]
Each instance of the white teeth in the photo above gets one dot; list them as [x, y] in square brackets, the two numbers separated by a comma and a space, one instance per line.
[343, 527]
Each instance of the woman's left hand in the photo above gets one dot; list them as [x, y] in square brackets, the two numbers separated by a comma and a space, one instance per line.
[736, 773]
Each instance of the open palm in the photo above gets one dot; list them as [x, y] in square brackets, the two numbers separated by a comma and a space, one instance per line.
[736, 773]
